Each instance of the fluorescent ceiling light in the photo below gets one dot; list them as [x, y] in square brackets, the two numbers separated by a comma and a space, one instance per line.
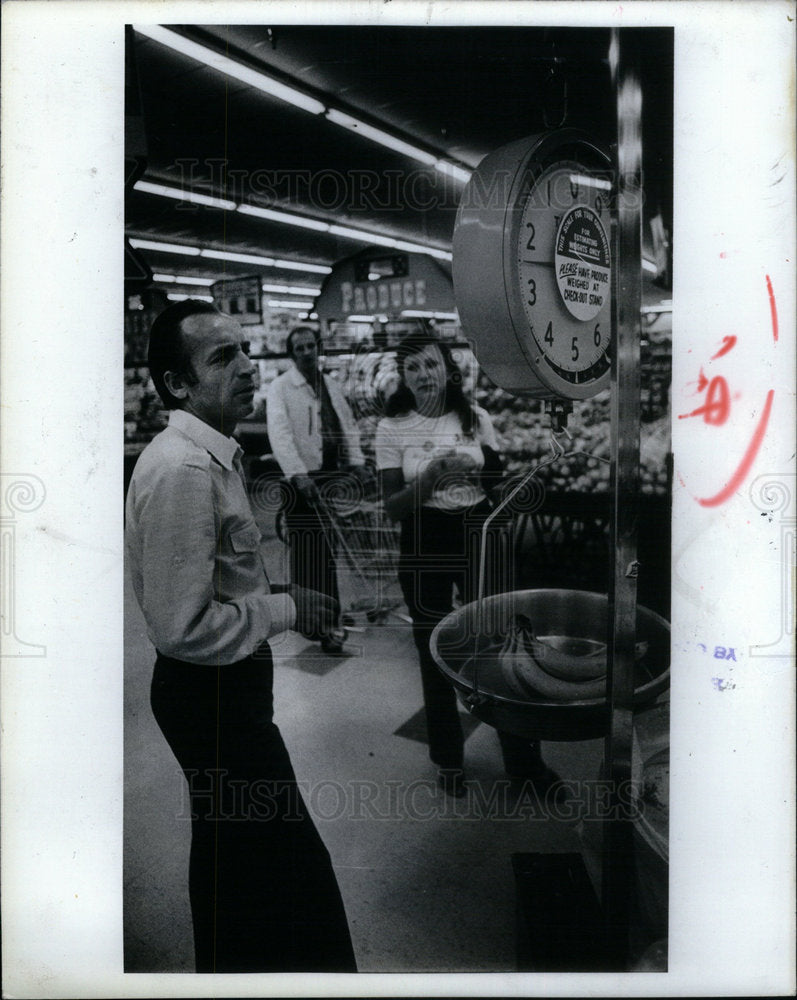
[177, 297]
[164, 247]
[417, 248]
[290, 289]
[269, 85]
[183, 195]
[361, 234]
[290, 219]
[590, 182]
[182, 279]
[248, 258]
[287, 217]
[223, 64]
[238, 258]
[295, 265]
[429, 315]
[455, 171]
[388, 241]
[648, 265]
[360, 319]
[377, 135]
[288, 304]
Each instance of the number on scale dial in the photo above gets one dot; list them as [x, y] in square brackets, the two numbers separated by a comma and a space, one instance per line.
[564, 264]
[532, 265]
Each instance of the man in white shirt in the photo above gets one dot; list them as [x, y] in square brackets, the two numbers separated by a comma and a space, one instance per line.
[314, 437]
[264, 897]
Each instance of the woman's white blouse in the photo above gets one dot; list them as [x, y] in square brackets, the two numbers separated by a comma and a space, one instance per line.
[410, 443]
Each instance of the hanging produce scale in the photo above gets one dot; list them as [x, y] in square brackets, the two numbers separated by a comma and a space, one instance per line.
[547, 281]
[532, 266]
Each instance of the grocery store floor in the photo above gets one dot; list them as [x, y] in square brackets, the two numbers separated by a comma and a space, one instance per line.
[427, 880]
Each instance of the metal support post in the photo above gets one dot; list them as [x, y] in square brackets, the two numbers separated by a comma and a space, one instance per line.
[618, 860]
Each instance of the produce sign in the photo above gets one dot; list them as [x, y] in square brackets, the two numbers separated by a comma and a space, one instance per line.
[376, 283]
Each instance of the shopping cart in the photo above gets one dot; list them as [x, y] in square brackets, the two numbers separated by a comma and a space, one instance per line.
[365, 543]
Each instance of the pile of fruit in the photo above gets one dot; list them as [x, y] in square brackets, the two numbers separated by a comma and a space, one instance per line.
[524, 437]
[523, 430]
[522, 426]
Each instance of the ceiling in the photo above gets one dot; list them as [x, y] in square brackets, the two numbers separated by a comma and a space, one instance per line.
[455, 92]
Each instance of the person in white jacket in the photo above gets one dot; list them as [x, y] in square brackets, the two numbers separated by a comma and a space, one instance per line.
[314, 437]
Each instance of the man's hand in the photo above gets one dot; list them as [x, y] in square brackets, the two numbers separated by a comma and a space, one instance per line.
[316, 614]
[307, 488]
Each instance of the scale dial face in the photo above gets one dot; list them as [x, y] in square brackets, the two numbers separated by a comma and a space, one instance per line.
[532, 265]
[562, 262]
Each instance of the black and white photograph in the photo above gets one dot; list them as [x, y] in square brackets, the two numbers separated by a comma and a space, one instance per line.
[387, 530]
[399, 588]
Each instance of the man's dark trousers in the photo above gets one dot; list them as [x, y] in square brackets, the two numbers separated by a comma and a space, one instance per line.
[264, 897]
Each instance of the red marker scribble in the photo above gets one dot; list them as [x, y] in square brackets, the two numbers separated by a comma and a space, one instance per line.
[773, 309]
[728, 343]
[717, 407]
[716, 411]
[749, 457]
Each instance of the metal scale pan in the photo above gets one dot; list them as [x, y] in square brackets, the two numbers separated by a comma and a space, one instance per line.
[466, 646]
[540, 275]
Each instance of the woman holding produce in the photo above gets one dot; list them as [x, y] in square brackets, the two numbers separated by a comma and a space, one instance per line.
[437, 459]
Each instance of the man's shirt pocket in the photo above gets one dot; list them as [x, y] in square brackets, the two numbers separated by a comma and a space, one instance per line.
[246, 539]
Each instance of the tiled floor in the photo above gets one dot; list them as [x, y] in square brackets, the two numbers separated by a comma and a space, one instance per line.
[427, 880]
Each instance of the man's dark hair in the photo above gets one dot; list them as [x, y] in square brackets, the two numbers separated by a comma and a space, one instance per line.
[295, 333]
[166, 352]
